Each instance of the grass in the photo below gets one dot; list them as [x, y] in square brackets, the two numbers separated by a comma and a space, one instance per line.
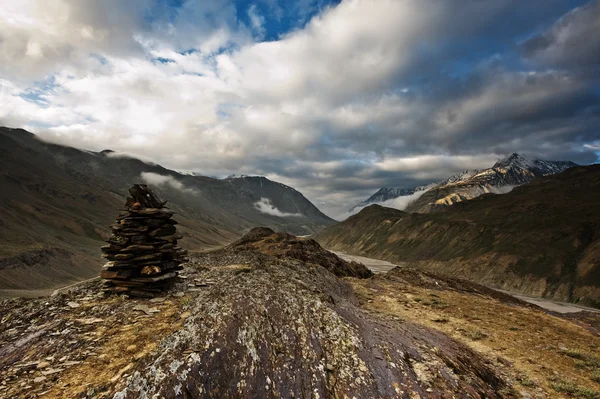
[572, 389]
[583, 359]
[475, 335]
[526, 381]
[596, 376]
[527, 340]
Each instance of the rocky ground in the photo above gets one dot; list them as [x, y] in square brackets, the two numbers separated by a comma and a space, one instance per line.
[262, 318]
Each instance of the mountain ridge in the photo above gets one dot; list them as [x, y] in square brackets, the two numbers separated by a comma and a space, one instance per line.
[512, 170]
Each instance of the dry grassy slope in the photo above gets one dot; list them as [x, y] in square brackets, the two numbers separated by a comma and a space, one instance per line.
[541, 239]
[545, 355]
[269, 326]
[56, 204]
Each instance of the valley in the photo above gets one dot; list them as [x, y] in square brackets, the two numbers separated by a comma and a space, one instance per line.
[380, 266]
[541, 239]
[56, 203]
[299, 199]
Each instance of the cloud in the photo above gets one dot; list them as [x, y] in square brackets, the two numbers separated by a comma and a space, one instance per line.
[399, 203]
[402, 202]
[265, 206]
[256, 20]
[335, 106]
[572, 41]
[162, 180]
[502, 189]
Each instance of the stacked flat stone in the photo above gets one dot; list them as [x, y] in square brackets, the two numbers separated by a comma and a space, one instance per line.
[142, 252]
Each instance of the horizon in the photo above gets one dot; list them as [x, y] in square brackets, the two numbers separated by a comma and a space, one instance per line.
[400, 203]
[333, 98]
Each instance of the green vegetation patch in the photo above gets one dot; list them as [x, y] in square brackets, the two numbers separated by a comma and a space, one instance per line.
[572, 389]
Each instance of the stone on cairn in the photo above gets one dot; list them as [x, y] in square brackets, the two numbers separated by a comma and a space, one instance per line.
[142, 252]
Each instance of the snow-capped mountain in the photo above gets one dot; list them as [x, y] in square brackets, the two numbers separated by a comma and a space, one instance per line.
[386, 194]
[507, 173]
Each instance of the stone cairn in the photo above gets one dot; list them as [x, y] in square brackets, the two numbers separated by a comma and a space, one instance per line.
[142, 252]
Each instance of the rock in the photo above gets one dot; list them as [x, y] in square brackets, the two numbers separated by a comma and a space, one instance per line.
[121, 372]
[143, 308]
[52, 371]
[88, 321]
[142, 257]
[73, 305]
[42, 365]
[70, 363]
[37, 380]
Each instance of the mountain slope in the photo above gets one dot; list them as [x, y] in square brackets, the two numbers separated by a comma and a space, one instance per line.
[266, 318]
[541, 239]
[56, 203]
[500, 178]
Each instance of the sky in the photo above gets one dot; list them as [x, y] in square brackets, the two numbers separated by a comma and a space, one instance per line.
[335, 98]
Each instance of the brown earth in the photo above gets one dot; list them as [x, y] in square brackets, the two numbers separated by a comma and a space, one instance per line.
[246, 323]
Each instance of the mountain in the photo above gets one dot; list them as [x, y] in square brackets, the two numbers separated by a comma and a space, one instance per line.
[268, 317]
[56, 203]
[387, 194]
[512, 171]
[541, 239]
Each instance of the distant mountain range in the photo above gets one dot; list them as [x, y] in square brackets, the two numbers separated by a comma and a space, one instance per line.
[541, 239]
[500, 178]
[56, 203]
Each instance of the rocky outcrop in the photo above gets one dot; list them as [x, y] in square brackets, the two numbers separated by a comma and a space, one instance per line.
[244, 322]
[265, 240]
[241, 324]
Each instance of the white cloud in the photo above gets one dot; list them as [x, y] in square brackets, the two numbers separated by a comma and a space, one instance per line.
[330, 109]
[265, 206]
[399, 203]
[162, 180]
[256, 20]
[402, 202]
